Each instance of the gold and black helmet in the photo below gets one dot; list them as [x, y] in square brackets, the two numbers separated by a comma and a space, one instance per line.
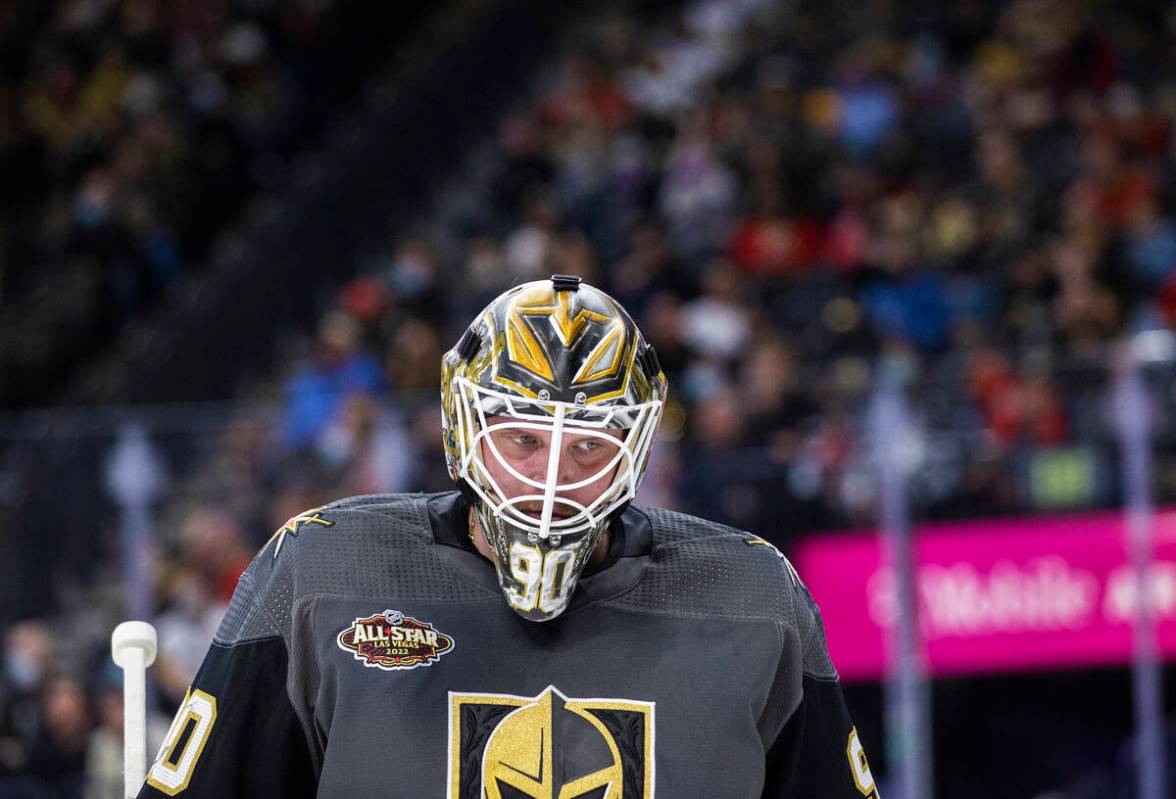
[556, 360]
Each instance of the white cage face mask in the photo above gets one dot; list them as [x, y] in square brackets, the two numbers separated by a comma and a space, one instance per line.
[548, 476]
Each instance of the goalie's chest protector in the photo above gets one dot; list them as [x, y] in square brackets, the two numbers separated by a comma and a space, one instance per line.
[666, 677]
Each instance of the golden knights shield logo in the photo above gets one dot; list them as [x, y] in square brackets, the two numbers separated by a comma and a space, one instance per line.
[549, 747]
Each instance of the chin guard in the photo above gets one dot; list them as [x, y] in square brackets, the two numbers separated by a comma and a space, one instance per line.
[538, 577]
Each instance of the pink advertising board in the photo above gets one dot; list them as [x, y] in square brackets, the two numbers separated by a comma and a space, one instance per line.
[994, 596]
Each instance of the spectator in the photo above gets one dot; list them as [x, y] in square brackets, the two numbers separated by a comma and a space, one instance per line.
[717, 324]
[185, 631]
[711, 477]
[773, 406]
[57, 756]
[697, 199]
[317, 393]
[214, 549]
[1151, 246]
[28, 655]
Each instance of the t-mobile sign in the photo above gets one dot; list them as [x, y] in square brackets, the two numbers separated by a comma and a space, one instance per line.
[1000, 595]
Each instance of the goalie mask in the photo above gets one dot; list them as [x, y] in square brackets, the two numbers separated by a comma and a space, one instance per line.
[550, 401]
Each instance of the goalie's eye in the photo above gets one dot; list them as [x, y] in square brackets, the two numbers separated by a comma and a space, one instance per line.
[593, 452]
[514, 443]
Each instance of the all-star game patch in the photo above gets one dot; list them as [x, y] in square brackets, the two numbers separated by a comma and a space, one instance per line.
[391, 641]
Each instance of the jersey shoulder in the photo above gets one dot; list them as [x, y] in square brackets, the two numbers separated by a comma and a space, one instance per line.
[378, 545]
[703, 569]
[338, 531]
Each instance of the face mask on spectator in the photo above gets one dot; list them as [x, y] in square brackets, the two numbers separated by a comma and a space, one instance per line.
[23, 670]
[90, 214]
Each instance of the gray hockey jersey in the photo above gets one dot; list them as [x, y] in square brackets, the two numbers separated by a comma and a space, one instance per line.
[368, 652]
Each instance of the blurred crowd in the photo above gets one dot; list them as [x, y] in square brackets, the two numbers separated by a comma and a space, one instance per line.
[792, 199]
[131, 132]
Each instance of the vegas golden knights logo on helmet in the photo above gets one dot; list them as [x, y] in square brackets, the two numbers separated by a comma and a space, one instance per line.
[549, 747]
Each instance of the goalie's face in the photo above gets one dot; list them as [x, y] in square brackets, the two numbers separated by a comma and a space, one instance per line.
[521, 459]
[547, 485]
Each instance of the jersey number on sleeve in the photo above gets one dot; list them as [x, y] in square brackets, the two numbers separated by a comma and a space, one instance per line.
[858, 766]
[184, 743]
